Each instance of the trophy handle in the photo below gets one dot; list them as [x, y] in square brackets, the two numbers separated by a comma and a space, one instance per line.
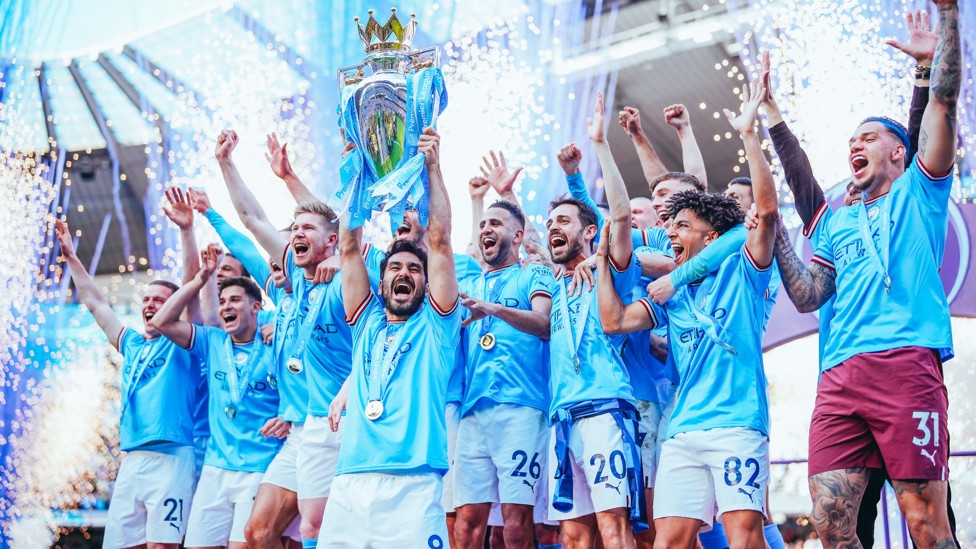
[422, 59]
[351, 75]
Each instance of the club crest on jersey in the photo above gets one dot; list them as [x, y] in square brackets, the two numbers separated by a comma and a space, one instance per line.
[240, 358]
[287, 304]
[873, 212]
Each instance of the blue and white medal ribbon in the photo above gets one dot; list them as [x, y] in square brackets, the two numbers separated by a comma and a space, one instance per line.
[880, 259]
[572, 339]
[137, 371]
[237, 384]
[316, 296]
[377, 376]
[712, 328]
[491, 294]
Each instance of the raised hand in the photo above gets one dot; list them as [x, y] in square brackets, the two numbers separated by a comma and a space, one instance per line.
[179, 210]
[199, 200]
[277, 157]
[63, 235]
[921, 39]
[569, 158]
[478, 187]
[209, 258]
[430, 145]
[498, 174]
[279, 277]
[752, 96]
[597, 123]
[479, 309]
[629, 120]
[226, 142]
[677, 116]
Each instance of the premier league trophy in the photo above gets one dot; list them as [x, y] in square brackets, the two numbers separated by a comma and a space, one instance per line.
[384, 104]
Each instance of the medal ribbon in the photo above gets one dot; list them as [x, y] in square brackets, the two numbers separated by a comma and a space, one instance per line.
[575, 339]
[282, 329]
[307, 324]
[713, 329]
[137, 371]
[237, 384]
[378, 378]
[492, 294]
[880, 259]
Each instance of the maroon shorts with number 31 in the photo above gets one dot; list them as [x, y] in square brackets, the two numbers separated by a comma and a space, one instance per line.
[884, 410]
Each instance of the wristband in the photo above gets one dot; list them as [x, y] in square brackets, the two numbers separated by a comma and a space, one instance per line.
[923, 72]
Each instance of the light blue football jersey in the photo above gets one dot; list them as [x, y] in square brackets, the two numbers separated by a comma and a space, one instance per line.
[292, 387]
[867, 318]
[235, 443]
[159, 384]
[601, 373]
[514, 370]
[732, 383]
[410, 436]
[650, 379]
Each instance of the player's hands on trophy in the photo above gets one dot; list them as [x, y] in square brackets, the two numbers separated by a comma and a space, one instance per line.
[569, 158]
[179, 210]
[275, 427]
[277, 157]
[226, 142]
[497, 173]
[597, 123]
[64, 238]
[430, 145]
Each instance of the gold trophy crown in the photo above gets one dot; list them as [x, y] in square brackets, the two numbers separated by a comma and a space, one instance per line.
[393, 36]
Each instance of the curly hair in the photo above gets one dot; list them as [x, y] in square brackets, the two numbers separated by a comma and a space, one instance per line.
[719, 211]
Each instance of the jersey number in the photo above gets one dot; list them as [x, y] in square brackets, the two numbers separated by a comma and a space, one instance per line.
[435, 542]
[618, 466]
[733, 472]
[535, 468]
[172, 515]
[923, 426]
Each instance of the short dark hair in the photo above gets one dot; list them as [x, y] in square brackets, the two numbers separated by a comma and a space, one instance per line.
[244, 271]
[512, 209]
[403, 246]
[165, 284]
[741, 181]
[250, 288]
[718, 210]
[679, 176]
[586, 214]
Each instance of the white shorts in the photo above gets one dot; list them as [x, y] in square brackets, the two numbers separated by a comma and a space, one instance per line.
[647, 434]
[380, 511]
[540, 510]
[701, 471]
[199, 453]
[318, 455]
[151, 499]
[501, 455]
[221, 507]
[453, 421]
[599, 462]
[283, 470]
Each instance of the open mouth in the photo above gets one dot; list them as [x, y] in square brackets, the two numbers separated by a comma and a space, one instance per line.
[858, 163]
[148, 316]
[557, 240]
[301, 248]
[488, 242]
[403, 230]
[678, 250]
[402, 288]
[229, 317]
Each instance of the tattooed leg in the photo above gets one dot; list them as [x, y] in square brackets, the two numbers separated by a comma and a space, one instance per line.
[923, 503]
[836, 497]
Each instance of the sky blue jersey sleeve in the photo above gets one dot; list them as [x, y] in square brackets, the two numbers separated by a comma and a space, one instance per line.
[710, 258]
[242, 247]
[577, 189]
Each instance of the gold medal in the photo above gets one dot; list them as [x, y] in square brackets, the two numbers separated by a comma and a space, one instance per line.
[294, 365]
[374, 409]
[487, 341]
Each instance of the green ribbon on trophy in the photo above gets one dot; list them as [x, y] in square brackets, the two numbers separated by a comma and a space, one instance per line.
[383, 114]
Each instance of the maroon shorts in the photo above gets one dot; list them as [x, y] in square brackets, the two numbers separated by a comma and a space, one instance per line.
[884, 410]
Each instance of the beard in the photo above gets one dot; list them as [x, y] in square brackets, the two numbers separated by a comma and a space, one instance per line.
[501, 251]
[401, 308]
[574, 247]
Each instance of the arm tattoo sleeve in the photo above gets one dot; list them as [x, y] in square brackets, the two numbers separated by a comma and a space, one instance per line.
[808, 287]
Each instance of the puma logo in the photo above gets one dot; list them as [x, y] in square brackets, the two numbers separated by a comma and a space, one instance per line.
[174, 526]
[531, 485]
[928, 455]
[741, 491]
[616, 488]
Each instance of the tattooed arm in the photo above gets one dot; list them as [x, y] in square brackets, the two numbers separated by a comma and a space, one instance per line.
[809, 287]
[937, 139]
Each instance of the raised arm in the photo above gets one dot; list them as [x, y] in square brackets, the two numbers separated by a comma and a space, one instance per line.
[167, 320]
[621, 242]
[88, 293]
[477, 189]
[920, 47]
[247, 206]
[569, 158]
[179, 211]
[237, 243]
[441, 277]
[651, 165]
[502, 179]
[937, 138]
[691, 157]
[277, 157]
[615, 317]
[759, 242]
